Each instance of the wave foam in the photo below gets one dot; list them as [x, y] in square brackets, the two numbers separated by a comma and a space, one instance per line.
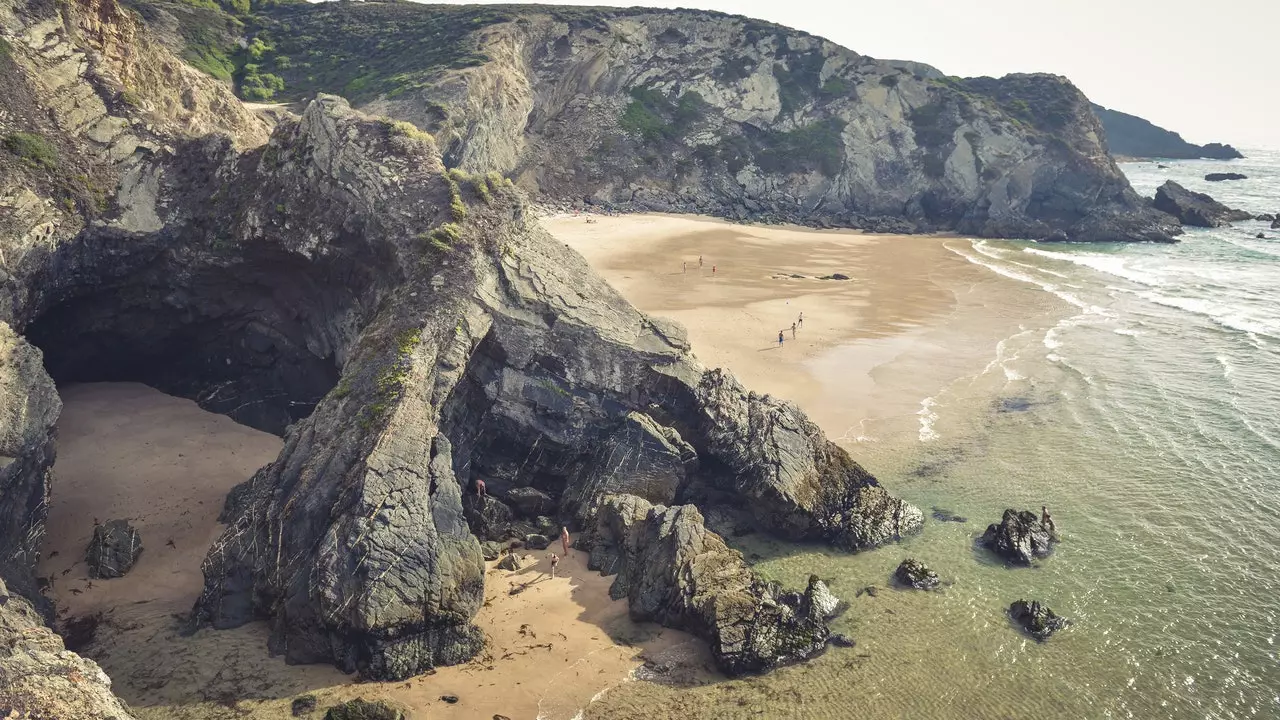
[927, 418]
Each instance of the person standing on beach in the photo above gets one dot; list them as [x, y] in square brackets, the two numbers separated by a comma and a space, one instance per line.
[699, 261]
[564, 539]
[480, 492]
[684, 267]
[555, 560]
[793, 331]
[780, 338]
[713, 269]
[800, 322]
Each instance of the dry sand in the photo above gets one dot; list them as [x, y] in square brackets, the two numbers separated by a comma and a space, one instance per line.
[914, 316]
[128, 451]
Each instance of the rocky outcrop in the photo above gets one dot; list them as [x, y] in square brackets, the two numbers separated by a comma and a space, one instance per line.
[1193, 208]
[39, 678]
[114, 549]
[1131, 136]
[1220, 177]
[1035, 619]
[690, 111]
[361, 709]
[914, 574]
[674, 571]
[1019, 537]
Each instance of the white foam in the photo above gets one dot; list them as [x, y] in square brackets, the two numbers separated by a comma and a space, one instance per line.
[927, 418]
[1228, 316]
[1110, 264]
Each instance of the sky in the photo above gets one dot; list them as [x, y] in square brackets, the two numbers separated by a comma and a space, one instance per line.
[1208, 69]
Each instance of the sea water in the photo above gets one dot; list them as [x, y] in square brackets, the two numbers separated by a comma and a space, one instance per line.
[1148, 420]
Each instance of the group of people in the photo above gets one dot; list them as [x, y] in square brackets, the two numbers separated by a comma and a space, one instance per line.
[482, 492]
[684, 266]
[799, 323]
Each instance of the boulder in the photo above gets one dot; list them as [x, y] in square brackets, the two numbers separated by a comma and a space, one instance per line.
[530, 502]
[1275, 224]
[1035, 619]
[537, 542]
[114, 549]
[1219, 177]
[491, 550]
[1196, 209]
[1261, 236]
[1019, 537]
[1265, 217]
[511, 562]
[303, 705]
[915, 574]
[488, 517]
[361, 709]
[675, 572]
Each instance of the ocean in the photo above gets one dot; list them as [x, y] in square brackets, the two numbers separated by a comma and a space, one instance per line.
[1147, 418]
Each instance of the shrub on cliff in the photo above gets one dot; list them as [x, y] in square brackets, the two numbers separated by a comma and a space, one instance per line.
[32, 148]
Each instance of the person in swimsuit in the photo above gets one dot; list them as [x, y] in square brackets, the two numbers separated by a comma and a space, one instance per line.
[555, 560]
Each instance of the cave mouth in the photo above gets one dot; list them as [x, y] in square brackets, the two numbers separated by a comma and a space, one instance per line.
[259, 340]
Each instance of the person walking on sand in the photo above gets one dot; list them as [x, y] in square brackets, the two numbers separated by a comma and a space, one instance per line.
[1047, 520]
[555, 560]
[713, 269]
[793, 331]
[800, 321]
[480, 491]
[699, 261]
[564, 539]
[780, 338]
[684, 267]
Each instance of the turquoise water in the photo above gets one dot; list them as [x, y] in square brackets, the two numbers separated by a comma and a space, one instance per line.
[1148, 419]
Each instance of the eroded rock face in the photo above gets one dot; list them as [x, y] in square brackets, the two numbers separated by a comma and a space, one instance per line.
[914, 574]
[1035, 619]
[1019, 537]
[114, 549]
[1196, 209]
[675, 572]
[39, 678]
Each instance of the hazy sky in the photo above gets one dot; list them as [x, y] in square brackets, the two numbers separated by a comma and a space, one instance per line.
[1209, 69]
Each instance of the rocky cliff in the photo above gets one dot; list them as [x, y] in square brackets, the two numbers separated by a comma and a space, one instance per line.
[691, 111]
[406, 329]
[1131, 136]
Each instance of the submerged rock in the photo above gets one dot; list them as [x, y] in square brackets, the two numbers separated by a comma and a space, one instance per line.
[1193, 208]
[1035, 619]
[1019, 537]
[114, 549]
[1219, 177]
[675, 572]
[945, 515]
[914, 574]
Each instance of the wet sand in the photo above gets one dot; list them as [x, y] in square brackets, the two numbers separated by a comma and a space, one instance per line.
[128, 451]
[913, 317]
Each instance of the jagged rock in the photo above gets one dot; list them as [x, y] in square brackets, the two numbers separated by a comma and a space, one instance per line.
[1219, 177]
[510, 562]
[1019, 537]
[361, 709]
[530, 502]
[537, 542]
[1193, 208]
[39, 678]
[1261, 236]
[1264, 217]
[488, 517]
[842, 640]
[914, 574]
[1275, 224]
[491, 551]
[675, 572]
[114, 549]
[304, 705]
[547, 526]
[1035, 619]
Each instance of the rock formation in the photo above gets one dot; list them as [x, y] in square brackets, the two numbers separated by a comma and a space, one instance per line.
[914, 574]
[1197, 209]
[361, 709]
[1019, 537]
[114, 549]
[675, 572]
[41, 679]
[1035, 619]
[1131, 136]
[1220, 177]
[691, 111]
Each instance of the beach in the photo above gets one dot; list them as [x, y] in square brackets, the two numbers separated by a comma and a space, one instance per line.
[913, 316]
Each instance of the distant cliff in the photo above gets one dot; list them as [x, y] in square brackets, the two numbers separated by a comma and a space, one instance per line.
[699, 112]
[1131, 136]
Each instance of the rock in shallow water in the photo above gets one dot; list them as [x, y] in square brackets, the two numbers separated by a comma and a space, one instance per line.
[361, 709]
[1193, 208]
[914, 574]
[1019, 537]
[114, 549]
[1035, 619]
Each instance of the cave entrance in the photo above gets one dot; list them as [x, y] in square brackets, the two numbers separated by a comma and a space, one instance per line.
[257, 338]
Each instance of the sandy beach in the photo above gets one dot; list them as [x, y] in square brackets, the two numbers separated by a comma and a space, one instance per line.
[913, 316]
[128, 451]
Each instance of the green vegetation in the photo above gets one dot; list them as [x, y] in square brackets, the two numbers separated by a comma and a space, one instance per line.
[934, 124]
[258, 85]
[5, 49]
[444, 237]
[798, 79]
[390, 383]
[130, 98]
[409, 130]
[836, 86]
[457, 208]
[656, 118]
[32, 148]
[211, 60]
[818, 146]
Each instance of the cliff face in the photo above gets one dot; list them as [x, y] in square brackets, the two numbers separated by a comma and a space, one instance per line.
[405, 329]
[698, 112]
[1131, 136]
